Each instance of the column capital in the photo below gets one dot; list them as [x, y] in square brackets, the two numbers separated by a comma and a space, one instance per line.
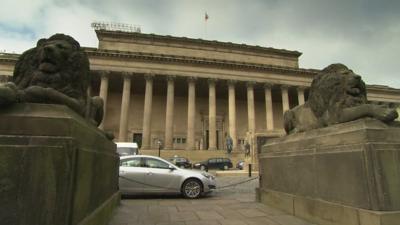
[284, 86]
[104, 73]
[268, 85]
[250, 83]
[170, 77]
[301, 88]
[231, 82]
[212, 80]
[149, 76]
[126, 74]
[191, 79]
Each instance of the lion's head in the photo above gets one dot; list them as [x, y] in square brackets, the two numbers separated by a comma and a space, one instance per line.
[57, 62]
[334, 88]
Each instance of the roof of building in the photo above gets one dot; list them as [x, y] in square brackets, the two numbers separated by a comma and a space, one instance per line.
[199, 41]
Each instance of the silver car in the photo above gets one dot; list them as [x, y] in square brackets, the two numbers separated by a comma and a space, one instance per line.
[150, 174]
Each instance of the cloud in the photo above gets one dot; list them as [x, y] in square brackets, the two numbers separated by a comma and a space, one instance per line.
[363, 34]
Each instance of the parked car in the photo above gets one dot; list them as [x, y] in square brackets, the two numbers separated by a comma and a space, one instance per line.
[214, 163]
[127, 148]
[180, 162]
[240, 165]
[150, 174]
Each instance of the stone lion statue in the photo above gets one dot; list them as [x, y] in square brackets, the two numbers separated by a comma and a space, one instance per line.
[337, 95]
[56, 71]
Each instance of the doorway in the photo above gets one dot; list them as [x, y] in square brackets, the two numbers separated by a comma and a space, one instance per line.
[217, 139]
[137, 137]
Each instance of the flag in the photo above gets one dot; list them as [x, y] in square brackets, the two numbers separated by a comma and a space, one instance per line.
[206, 17]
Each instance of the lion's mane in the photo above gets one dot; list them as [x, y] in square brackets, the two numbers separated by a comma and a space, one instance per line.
[72, 78]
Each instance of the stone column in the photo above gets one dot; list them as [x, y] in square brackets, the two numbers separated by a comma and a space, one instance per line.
[190, 142]
[285, 98]
[126, 97]
[250, 107]
[148, 103]
[268, 107]
[212, 130]
[103, 94]
[300, 95]
[232, 112]
[169, 117]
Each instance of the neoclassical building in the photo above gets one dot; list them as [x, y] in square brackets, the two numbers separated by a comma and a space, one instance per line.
[193, 93]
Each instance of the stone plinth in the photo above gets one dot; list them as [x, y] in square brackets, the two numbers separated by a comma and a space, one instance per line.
[344, 174]
[55, 168]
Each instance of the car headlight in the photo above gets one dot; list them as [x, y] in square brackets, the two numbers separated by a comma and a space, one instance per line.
[208, 176]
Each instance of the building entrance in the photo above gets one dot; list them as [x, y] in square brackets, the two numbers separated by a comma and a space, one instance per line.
[220, 126]
[137, 137]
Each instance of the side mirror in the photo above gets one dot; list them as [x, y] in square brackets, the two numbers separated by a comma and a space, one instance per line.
[171, 168]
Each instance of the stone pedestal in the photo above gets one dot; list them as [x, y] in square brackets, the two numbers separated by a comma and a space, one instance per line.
[347, 174]
[55, 168]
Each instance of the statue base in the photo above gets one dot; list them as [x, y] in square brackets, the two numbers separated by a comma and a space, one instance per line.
[346, 174]
[55, 168]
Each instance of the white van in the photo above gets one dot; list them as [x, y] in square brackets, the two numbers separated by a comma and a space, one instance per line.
[127, 148]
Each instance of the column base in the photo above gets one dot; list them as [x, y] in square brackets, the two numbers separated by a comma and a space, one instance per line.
[212, 148]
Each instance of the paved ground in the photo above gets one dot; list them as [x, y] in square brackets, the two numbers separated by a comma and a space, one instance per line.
[229, 206]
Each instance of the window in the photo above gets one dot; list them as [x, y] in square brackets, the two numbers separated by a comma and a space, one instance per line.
[183, 140]
[135, 162]
[212, 160]
[178, 140]
[155, 163]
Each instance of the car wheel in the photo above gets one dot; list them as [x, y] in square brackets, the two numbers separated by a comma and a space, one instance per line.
[192, 188]
[202, 167]
[225, 167]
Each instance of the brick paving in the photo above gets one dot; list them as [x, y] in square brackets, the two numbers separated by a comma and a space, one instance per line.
[230, 206]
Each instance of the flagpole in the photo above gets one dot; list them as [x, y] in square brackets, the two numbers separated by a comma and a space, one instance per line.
[205, 25]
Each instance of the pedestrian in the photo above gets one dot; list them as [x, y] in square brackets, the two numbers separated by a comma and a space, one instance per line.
[229, 144]
[247, 149]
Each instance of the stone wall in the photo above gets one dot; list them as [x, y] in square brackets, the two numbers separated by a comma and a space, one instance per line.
[55, 168]
[336, 174]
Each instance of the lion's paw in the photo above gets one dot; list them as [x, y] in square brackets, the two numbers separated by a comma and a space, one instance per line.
[8, 94]
[385, 114]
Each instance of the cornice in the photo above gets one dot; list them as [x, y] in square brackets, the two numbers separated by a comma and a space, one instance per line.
[208, 43]
[197, 60]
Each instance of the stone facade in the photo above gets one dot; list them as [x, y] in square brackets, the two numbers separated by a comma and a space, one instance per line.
[206, 89]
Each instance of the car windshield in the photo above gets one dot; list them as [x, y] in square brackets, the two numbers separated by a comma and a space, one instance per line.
[126, 151]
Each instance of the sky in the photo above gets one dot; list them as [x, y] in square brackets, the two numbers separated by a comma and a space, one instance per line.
[362, 34]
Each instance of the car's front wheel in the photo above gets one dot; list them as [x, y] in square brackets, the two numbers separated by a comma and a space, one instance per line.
[192, 188]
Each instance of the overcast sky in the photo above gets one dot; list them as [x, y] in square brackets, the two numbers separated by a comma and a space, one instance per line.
[363, 34]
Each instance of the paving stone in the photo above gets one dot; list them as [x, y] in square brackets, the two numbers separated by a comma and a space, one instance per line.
[202, 222]
[183, 216]
[235, 206]
[230, 214]
[232, 222]
[290, 220]
[209, 215]
[261, 221]
[153, 217]
[252, 212]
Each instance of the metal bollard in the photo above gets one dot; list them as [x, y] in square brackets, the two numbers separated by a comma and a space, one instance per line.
[249, 169]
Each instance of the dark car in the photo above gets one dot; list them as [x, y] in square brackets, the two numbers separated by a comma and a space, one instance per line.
[180, 162]
[214, 163]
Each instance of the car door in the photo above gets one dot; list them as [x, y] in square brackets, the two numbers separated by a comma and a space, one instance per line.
[212, 163]
[131, 175]
[159, 177]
